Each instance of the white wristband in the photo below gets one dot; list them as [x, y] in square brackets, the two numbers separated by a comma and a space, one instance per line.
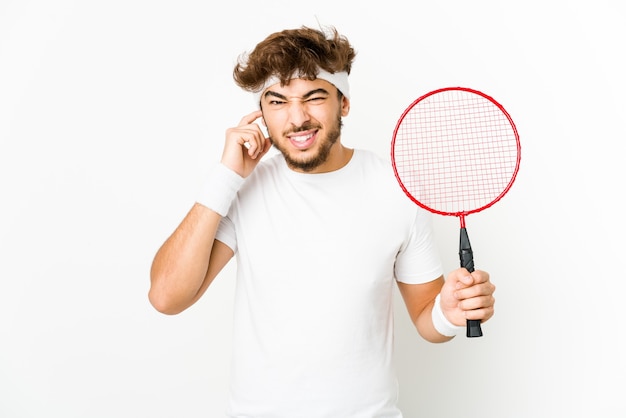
[441, 323]
[220, 189]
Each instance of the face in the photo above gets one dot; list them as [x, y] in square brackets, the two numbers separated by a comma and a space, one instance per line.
[303, 120]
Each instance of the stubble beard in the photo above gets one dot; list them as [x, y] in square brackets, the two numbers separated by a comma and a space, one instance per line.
[323, 151]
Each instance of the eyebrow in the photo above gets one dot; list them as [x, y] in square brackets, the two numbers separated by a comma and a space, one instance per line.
[306, 96]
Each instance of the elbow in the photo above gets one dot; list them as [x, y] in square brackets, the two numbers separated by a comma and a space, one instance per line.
[163, 302]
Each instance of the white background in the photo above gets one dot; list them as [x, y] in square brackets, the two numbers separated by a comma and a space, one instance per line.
[110, 112]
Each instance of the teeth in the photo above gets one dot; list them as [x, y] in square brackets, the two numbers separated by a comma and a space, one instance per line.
[301, 138]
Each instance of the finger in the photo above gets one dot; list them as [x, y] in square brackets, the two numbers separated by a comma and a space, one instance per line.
[256, 144]
[247, 136]
[480, 276]
[482, 314]
[263, 148]
[477, 302]
[465, 280]
[475, 291]
[249, 118]
[267, 145]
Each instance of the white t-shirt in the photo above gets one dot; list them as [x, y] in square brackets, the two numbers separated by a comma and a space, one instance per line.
[317, 259]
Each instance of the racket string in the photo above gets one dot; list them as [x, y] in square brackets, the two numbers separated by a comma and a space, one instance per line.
[455, 152]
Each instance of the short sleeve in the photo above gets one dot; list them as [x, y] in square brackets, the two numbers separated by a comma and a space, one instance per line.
[226, 233]
[418, 260]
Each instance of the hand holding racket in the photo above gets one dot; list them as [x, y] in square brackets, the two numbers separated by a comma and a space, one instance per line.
[456, 151]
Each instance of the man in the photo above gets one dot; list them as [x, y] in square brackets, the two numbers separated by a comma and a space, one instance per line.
[322, 233]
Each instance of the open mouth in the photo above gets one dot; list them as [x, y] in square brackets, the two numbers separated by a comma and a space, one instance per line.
[303, 140]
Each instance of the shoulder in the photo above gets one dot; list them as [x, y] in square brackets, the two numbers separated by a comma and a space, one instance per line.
[271, 167]
[370, 158]
[272, 164]
[376, 169]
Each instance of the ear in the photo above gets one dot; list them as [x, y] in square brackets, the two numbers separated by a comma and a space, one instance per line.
[345, 106]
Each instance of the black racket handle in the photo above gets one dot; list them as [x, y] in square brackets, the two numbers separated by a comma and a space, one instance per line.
[466, 255]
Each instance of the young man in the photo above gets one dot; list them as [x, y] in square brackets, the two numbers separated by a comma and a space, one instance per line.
[322, 233]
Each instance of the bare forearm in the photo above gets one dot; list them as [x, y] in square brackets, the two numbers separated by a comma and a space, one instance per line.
[419, 299]
[425, 327]
[179, 269]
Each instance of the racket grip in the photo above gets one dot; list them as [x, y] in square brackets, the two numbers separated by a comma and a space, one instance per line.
[466, 256]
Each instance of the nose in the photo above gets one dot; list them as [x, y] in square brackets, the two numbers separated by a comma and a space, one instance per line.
[298, 113]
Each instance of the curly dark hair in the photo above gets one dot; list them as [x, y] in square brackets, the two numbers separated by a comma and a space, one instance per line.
[300, 51]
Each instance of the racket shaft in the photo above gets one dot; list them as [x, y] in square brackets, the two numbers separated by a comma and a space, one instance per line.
[466, 256]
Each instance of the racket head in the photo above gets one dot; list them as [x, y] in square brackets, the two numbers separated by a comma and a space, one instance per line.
[455, 151]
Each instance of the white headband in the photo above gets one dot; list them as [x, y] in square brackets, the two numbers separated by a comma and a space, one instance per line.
[339, 80]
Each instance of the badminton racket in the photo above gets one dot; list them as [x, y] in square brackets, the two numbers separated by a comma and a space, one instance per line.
[456, 151]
